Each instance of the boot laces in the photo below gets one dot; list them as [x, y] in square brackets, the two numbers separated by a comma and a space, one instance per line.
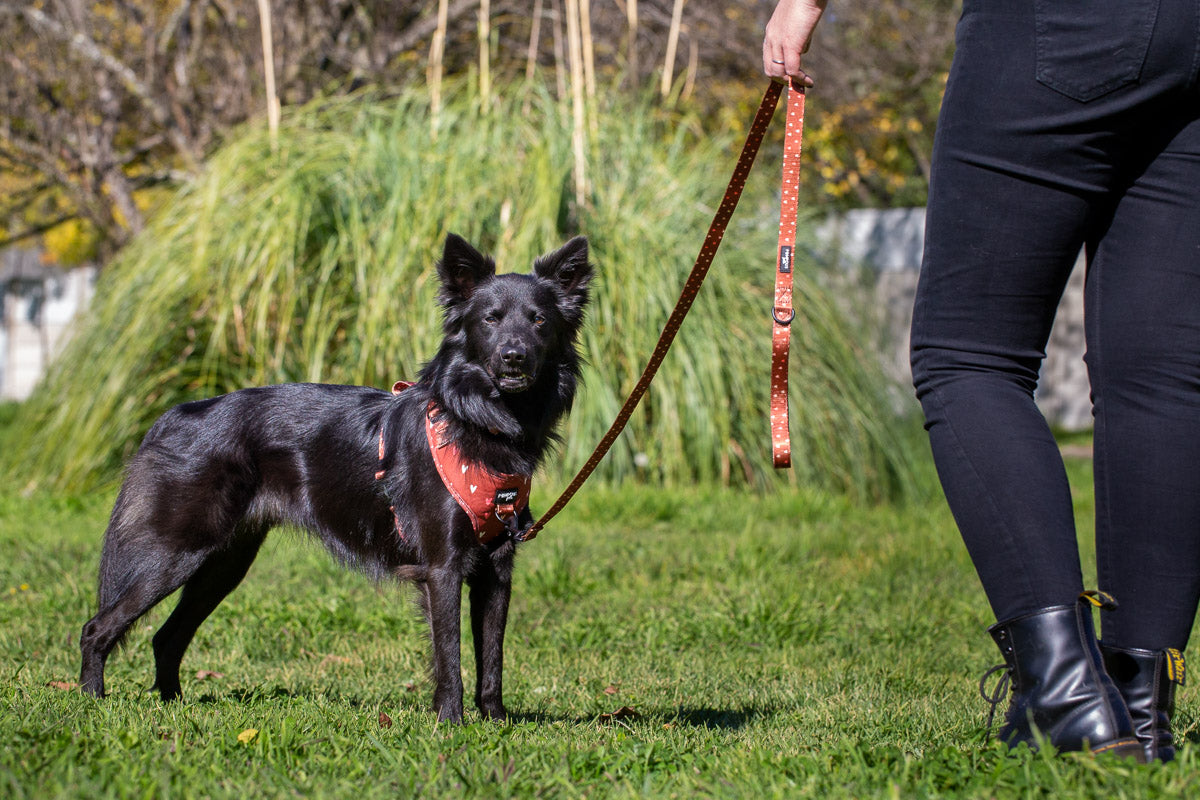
[1004, 686]
[997, 696]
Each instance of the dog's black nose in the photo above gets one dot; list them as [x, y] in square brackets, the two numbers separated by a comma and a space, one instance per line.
[513, 356]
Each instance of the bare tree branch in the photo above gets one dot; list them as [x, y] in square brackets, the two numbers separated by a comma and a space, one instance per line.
[36, 230]
[87, 49]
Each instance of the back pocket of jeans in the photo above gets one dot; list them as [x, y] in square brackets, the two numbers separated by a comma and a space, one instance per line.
[1088, 48]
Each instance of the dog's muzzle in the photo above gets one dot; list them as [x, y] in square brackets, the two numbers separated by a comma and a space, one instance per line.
[513, 373]
[514, 383]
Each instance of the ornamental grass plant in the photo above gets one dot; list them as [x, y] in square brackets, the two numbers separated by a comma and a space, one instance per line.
[311, 259]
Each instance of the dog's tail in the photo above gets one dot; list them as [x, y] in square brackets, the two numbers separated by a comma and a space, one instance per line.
[411, 572]
[119, 573]
[133, 557]
[117, 557]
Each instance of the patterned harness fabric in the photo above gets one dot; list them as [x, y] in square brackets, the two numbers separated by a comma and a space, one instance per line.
[492, 502]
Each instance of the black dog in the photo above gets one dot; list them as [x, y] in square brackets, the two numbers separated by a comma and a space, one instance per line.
[356, 466]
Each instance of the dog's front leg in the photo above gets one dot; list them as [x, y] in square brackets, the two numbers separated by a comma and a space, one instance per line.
[443, 590]
[490, 593]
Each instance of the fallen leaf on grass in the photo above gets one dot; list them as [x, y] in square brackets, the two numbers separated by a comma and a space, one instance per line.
[66, 686]
[247, 736]
[384, 720]
[610, 689]
[208, 674]
[624, 712]
[332, 659]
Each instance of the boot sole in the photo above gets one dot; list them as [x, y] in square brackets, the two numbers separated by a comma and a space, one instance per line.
[1123, 748]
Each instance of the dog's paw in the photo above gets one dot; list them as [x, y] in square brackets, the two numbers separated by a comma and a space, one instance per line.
[493, 712]
[449, 713]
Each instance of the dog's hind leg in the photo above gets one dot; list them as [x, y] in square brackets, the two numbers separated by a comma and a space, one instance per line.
[443, 605]
[146, 580]
[211, 583]
[490, 593]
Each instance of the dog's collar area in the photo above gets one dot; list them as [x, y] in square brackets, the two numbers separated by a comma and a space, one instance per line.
[492, 502]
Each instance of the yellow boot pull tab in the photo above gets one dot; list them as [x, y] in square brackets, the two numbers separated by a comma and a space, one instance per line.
[1099, 599]
[1176, 668]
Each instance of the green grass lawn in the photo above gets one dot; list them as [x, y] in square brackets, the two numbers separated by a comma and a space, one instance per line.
[661, 643]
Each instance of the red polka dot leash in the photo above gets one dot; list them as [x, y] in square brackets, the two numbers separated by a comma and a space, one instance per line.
[716, 231]
[783, 311]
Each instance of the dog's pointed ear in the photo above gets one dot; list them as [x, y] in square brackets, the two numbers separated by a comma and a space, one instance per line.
[461, 270]
[568, 266]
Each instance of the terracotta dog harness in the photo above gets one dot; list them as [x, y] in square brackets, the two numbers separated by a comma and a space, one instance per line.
[492, 502]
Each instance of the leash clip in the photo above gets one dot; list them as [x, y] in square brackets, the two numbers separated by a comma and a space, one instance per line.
[778, 321]
[519, 534]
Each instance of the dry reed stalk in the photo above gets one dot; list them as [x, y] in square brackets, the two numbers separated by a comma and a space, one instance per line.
[668, 74]
[485, 57]
[535, 34]
[560, 72]
[631, 54]
[589, 64]
[264, 17]
[579, 121]
[693, 67]
[437, 50]
[589, 56]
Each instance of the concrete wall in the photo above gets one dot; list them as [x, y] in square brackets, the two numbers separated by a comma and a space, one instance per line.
[886, 246]
[37, 304]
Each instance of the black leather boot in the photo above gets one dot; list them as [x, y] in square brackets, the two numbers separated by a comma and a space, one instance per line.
[1147, 681]
[1059, 686]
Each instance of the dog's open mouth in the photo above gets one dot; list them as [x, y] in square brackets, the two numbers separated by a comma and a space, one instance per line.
[513, 380]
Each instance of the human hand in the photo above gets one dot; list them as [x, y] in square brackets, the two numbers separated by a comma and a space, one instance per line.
[788, 36]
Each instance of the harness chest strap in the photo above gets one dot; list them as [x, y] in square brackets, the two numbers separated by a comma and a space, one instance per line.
[492, 502]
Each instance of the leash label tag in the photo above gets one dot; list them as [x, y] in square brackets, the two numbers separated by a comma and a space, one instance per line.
[785, 258]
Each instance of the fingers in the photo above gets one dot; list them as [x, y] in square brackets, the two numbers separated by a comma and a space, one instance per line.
[788, 36]
[774, 62]
[782, 64]
[782, 70]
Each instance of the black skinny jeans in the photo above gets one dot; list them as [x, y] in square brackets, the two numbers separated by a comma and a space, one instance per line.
[1069, 124]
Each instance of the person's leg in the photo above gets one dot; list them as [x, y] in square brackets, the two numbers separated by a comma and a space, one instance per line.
[1027, 156]
[1008, 213]
[1143, 323]
[1143, 327]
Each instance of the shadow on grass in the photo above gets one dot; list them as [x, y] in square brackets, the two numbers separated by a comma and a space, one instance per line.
[712, 718]
[260, 694]
[724, 719]
[719, 718]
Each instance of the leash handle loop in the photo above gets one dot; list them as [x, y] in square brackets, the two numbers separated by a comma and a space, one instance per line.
[783, 313]
[733, 192]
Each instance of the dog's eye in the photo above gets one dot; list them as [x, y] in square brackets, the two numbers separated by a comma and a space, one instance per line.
[539, 320]
[491, 319]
